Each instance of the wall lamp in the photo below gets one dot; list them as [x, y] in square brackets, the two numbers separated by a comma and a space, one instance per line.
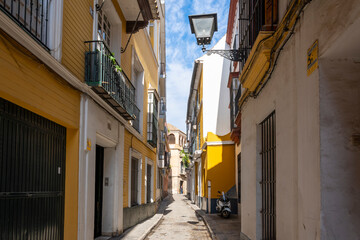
[204, 26]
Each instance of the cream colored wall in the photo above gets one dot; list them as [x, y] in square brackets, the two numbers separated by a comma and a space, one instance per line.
[175, 163]
[295, 98]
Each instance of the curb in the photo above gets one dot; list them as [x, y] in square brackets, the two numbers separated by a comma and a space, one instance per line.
[156, 223]
[156, 219]
[201, 214]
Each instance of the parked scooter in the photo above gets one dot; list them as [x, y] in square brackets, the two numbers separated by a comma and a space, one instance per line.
[223, 205]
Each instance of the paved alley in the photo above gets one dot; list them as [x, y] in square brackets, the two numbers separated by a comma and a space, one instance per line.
[179, 222]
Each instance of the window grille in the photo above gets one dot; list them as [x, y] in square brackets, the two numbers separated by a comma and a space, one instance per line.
[148, 183]
[235, 92]
[30, 15]
[268, 157]
[255, 16]
[152, 124]
[162, 106]
[104, 28]
[134, 181]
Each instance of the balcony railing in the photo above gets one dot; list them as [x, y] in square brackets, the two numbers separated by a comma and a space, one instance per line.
[30, 15]
[255, 16]
[104, 74]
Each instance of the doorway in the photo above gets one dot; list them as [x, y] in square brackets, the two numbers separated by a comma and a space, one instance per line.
[99, 173]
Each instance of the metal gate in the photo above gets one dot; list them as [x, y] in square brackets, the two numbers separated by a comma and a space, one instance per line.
[32, 175]
[268, 156]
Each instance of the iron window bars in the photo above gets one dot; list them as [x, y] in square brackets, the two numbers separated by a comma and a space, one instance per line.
[30, 15]
[152, 124]
[254, 16]
[268, 182]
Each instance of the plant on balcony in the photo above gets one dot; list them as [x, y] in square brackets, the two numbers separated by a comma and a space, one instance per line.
[116, 66]
[185, 158]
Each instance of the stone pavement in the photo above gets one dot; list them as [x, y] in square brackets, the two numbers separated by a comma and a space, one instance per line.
[178, 218]
[220, 228]
[180, 222]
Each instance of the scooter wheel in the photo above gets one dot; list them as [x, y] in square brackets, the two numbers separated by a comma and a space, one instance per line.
[225, 214]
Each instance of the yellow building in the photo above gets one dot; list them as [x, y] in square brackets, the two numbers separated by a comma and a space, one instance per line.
[208, 117]
[78, 104]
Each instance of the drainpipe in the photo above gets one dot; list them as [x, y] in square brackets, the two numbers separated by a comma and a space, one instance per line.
[209, 196]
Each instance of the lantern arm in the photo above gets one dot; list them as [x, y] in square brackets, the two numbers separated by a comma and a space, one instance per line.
[236, 55]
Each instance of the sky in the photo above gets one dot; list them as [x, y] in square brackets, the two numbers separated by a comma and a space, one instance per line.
[181, 50]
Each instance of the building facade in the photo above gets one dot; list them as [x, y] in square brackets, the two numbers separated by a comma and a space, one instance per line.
[178, 180]
[82, 86]
[298, 81]
[208, 131]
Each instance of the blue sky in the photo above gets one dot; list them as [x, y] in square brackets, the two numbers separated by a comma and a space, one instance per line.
[181, 50]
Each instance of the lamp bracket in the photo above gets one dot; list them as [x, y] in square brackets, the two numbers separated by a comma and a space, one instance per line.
[235, 55]
[99, 7]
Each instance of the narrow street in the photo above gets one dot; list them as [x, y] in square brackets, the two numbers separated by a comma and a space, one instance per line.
[179, 222]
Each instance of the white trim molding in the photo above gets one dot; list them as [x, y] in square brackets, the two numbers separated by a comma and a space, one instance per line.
[218, 143]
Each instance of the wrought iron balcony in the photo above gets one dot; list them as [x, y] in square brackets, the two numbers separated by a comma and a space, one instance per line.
[32, 16]
[104, 75]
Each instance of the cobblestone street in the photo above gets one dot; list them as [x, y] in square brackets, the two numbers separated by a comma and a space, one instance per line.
[179, 222]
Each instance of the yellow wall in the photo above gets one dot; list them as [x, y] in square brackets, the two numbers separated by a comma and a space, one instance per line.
[27, 82]
[220, 165]
[133, 142]
[77, 28]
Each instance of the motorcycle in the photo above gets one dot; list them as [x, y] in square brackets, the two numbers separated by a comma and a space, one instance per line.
[223, 205]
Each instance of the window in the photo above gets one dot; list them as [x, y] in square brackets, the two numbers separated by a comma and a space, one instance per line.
[149, 180]
[268, 173]
[108, 27]
[148, 183]
[104, 28]
[152, 125]
[235, 93]
[137, 79]
[162, 107]
[134, 181]
[171, 139]
[41, 19]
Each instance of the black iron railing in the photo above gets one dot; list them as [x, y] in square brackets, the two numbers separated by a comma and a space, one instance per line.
[136, 121]
[152, 123]
[255, 16]
[236, 103]
[268, 177]
[162, 107]
[162, 151]
[31, 15]
[105, 75]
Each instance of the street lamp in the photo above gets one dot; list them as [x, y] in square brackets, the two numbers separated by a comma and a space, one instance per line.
[204, 26]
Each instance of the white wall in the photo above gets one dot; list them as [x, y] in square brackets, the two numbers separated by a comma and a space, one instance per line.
[215, 92]
[311, 179]
[101, 129]
[340, 120]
